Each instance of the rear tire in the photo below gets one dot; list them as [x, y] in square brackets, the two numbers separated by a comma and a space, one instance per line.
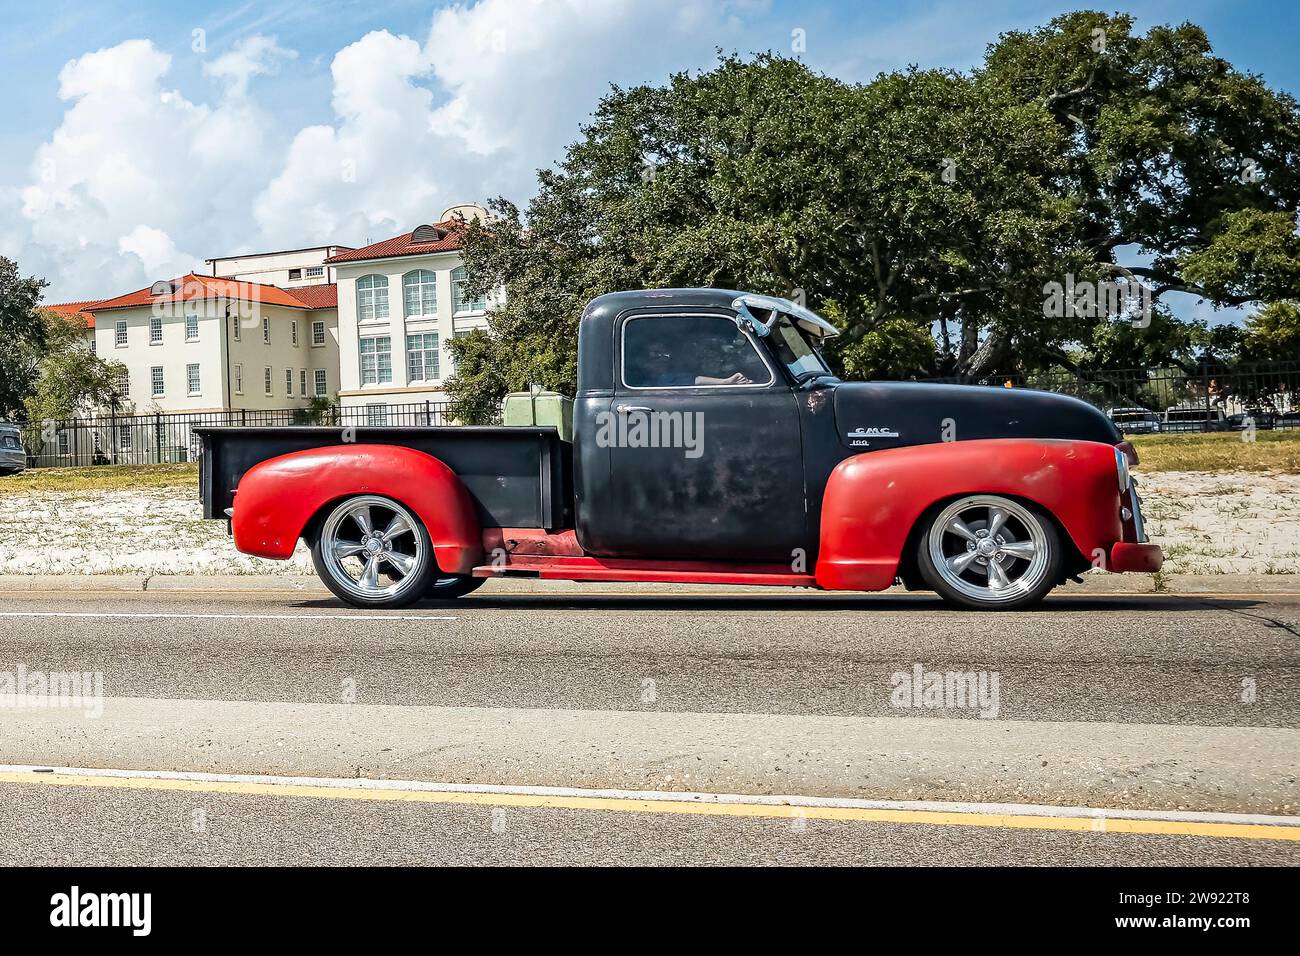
[373, 552]
[448, 587]
[990, 553]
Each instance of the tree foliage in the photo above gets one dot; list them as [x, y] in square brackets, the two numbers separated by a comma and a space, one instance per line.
[71, 379]
[925, 201]
[22, 337]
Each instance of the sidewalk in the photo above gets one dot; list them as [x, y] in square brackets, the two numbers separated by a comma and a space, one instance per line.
[309, 584]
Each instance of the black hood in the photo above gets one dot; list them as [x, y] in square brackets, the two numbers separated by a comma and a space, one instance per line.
[874, 415]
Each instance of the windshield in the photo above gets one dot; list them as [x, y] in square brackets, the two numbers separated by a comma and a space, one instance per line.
[1135, 417]
[794, 349]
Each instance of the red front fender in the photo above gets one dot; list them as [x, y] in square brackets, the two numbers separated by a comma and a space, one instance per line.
[277, 497]
[873, 500]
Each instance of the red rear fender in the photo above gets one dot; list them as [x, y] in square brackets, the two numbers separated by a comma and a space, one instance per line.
[278, 497]
[873, 500]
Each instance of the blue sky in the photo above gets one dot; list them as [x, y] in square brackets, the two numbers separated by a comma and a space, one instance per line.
[132, 145]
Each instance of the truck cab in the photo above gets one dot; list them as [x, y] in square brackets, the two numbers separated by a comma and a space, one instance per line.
[711, 443]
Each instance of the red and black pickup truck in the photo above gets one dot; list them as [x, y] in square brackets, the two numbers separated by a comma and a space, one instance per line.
[711, 444]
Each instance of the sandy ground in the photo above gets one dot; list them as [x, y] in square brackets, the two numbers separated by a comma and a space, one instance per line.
[152, 531]
[1209, 523]
[1239, 522]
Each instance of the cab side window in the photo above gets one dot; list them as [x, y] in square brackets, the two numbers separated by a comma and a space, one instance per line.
[685, 351]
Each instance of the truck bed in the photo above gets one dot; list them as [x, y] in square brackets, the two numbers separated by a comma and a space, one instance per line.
[518, 476]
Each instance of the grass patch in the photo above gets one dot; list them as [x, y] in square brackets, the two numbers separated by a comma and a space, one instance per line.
[102, 478]
[1217, 451]
[1220, 451]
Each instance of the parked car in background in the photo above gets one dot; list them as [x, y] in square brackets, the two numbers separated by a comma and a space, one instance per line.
[1135, 421]
[1289, 419]
[1194, 418]
[1258, 417]
[13, 457]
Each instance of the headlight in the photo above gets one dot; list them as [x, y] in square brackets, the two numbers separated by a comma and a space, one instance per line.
[1121, 466]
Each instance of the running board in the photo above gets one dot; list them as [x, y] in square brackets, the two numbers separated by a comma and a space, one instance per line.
[548, 567]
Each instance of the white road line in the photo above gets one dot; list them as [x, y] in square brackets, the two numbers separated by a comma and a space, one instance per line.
[229, 617]
[791, 800]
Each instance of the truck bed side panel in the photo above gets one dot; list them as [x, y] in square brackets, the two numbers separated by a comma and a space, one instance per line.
[517, 476]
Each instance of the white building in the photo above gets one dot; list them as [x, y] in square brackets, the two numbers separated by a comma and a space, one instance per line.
[288, 269]
[400, 302]
[270, 331]
[202, 344]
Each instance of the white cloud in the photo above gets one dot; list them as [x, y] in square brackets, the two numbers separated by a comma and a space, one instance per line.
[155, 250]
[252, 56]
[139, 178]
[496, 90]
[134, 170]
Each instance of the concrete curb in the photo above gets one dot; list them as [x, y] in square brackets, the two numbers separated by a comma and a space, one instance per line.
[1173, 584]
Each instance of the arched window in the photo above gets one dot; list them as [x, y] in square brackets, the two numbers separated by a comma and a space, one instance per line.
[372, 298]
[420, 293]
[460, 301]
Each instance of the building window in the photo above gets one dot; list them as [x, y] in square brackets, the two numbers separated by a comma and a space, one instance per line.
[266, 329]
[124, 439]
[64, 449]
[317, 333]
[234, 321]
[288, 382]
[122, 384]
[155, 330]
[191, 328]
[302, 382]
[376, 360]
[266, 379]
[422, 357]
[239, 380]
[372, 298]
[119, 333]
[461, 303]
[420, 293]
[156, 381]
[314, 272]
[322, 382]
[293, 332]
[94, 350]
[376, 414]
[192, 378]
[295, 274]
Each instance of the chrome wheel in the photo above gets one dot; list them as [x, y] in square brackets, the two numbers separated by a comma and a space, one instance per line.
[990, 549]
[373, 549]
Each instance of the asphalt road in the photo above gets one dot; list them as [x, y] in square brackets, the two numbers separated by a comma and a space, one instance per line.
[1123, 702]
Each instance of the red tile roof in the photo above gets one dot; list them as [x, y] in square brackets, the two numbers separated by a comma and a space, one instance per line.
[403, 246]
[317, 296]
[69, 309]
[195, 287]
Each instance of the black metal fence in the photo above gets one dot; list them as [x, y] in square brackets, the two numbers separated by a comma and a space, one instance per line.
[168, 437]
[1201, 399]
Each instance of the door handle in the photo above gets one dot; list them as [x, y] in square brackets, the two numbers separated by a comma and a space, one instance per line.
[628, 409]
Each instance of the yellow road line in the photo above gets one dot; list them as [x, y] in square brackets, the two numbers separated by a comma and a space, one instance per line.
[1244, 831]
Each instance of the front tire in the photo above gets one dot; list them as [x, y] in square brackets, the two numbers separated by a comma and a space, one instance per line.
[373, 552]
[990, 553]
